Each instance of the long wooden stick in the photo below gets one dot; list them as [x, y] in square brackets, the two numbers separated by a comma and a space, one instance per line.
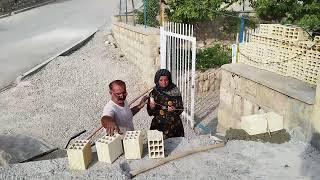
[134, 173]
[134, 100]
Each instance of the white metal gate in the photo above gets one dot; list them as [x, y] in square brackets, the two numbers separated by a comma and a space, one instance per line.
[178, 55]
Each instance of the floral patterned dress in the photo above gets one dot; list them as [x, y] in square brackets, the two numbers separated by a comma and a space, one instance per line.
[168, 122]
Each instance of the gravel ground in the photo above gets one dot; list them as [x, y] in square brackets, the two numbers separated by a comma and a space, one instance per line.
[237, 160]
[68, 95]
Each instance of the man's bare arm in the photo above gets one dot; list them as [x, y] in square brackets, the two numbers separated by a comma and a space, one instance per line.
[137, 108]
[109, 124]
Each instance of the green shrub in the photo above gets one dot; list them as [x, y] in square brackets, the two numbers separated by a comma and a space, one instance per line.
[212, 57]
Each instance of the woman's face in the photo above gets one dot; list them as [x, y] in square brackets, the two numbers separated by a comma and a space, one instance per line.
[163, 81]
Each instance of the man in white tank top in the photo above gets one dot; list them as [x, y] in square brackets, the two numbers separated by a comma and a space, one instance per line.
[117, 115]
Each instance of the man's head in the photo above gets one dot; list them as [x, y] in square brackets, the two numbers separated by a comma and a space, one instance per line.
[118, 92]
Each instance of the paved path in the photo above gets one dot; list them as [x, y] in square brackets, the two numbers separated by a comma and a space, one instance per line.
[32, 37]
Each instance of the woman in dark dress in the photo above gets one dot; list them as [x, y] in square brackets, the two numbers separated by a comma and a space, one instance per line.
[165, 104]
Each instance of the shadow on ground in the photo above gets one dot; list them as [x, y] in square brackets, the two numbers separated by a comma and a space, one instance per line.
[311, 159]
[206, 112]
[19, 148]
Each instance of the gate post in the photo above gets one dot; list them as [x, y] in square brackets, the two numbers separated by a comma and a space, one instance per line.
[163, 47]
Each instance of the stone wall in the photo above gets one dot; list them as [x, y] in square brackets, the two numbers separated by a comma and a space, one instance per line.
[208, 81]
[140, 45]
[241, 96]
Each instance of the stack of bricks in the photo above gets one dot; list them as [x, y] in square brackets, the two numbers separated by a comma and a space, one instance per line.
[284, 50]
[109, 148]
[155, 144]
[133, 145]
[79, 155]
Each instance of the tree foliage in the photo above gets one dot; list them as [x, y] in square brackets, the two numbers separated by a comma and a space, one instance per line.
[190, 11]
[304, 13]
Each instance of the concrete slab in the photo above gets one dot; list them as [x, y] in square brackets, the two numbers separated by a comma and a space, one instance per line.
[289, 86]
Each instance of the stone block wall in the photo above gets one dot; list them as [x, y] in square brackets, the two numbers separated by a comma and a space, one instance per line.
[141, 46]
[240, 96]
[208, 80]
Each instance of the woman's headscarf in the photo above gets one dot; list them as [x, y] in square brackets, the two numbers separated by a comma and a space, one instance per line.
[171, 89]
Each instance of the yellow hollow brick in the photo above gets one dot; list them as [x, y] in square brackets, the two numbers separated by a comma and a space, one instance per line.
[79, 155]
[109, 148]
[133, 145]
[262, 123]
[155, 144]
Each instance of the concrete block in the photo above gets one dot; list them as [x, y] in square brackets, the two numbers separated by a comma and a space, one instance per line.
[155, 144]
[261, 123]
[275, 121]
[79, 155]
[254, 124]
[109, 148]
[133, 145]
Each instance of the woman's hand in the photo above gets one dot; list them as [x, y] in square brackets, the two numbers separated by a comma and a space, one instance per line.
[171, 108]
[152, 103]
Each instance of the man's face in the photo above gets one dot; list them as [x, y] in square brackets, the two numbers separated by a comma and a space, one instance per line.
[118, 94]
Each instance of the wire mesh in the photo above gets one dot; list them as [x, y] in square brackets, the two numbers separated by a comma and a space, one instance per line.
[148, 15]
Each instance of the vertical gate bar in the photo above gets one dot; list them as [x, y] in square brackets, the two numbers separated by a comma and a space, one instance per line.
[173, 55]
[169, 50]
[180, 59]
[193, 81]
[163, 47]
[176, 57]
[184, 62]
[188, 75]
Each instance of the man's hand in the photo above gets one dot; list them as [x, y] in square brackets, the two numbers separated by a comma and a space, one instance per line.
[110, 125]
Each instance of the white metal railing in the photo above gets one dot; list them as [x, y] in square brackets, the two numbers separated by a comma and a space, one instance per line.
[178, 55]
